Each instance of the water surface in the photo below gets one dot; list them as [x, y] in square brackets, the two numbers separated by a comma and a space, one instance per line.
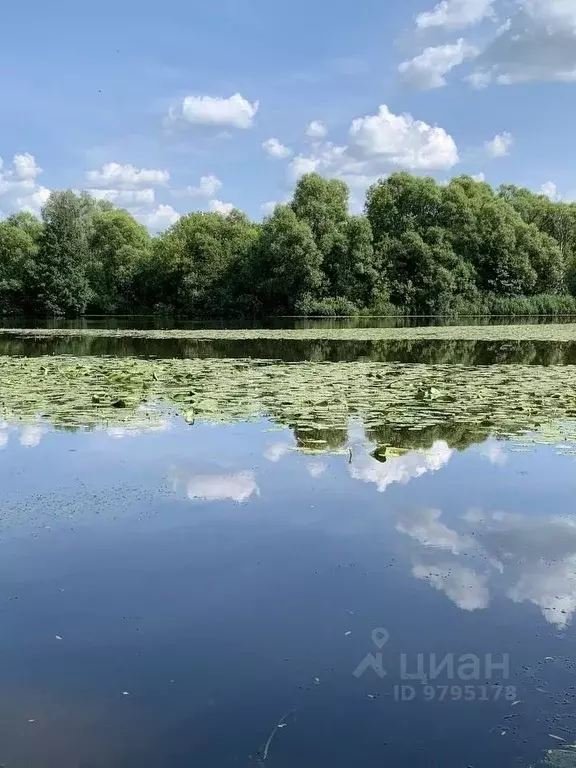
[206, 593]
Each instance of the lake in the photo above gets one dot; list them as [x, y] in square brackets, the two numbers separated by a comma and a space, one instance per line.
[317, 544]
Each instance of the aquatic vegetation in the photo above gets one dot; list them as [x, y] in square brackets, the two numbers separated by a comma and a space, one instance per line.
[563, 757]
[527, 332]
[401, 405]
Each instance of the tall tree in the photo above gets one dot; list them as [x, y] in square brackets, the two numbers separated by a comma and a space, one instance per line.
[17, 256]
[287, 264]
[354, 269]
[60, 277]
[119, 248]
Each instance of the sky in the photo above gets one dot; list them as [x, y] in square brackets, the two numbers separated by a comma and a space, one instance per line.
[167, 108]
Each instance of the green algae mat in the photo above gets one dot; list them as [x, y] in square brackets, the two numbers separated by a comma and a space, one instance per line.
[401, 405]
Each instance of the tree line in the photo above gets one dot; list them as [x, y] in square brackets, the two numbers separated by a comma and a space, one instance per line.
[420, 247]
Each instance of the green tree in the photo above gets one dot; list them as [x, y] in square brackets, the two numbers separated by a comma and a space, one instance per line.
[287, 263]
[60, 275]
[323, 205]
[354, 269]
[403, 203]
[425, 275]
[195, 264]
[119, 249]
[17, 253]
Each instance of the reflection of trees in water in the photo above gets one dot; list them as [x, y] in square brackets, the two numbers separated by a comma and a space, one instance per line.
[314, 439]
[428, 351]
[458, 435]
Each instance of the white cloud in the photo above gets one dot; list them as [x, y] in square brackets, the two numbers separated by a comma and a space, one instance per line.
[269, 207]
[234, 112]
[400, 469]
[207, 187]
[316, 468]
[479, 176]
[494, 452]
[18, 183]
[550, 190]
[428, 70]
[302, 165]
[500, 145]
[162, 217]
[33, 202]
[466, 588]
[124, 197]
[115, 175]
[25, 167]
[456, 14]
[425, 527]
[378, 145]
[4, 437]
[31, 435]
[537, 44]
[277, 451]
[316, 130]
[403, 141]
[217, 206]
[238, 487]
[275, 149]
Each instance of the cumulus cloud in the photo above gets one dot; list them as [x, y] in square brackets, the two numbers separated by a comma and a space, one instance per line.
[33, 202]
[316, 130]
[31, 435]
[161, 217]
[494, 452]
[550, 190]
[428, 70]
[123, 197]
[238, 487]
[316, 468]
[479, 176]
[403, 141]
[538, 43]
[233, 112]
[275, 149]
[207, 187]
[117, 176]
[400, 469]
[25, 167]
[535, 558]
[466, 588]
[19, 185]
[379, 144]
[277, 451]
[456, 14]
[217, 206]
[425, 527]
[269, 207]
[500, 145]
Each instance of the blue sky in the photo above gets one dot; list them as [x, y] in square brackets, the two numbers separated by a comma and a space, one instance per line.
[165, 108]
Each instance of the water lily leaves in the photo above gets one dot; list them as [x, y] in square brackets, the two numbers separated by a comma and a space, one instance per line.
[527, 332]
[457, 403]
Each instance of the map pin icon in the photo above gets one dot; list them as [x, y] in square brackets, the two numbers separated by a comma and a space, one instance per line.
[380, 637]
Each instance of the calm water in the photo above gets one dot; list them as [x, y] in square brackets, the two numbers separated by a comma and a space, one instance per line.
[208, 596]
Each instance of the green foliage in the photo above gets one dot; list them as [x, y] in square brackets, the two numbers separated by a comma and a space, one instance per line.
[119, 249]
[287, 263]
[60, 279]
[195, 262]
[420, 248]
[17, 253]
